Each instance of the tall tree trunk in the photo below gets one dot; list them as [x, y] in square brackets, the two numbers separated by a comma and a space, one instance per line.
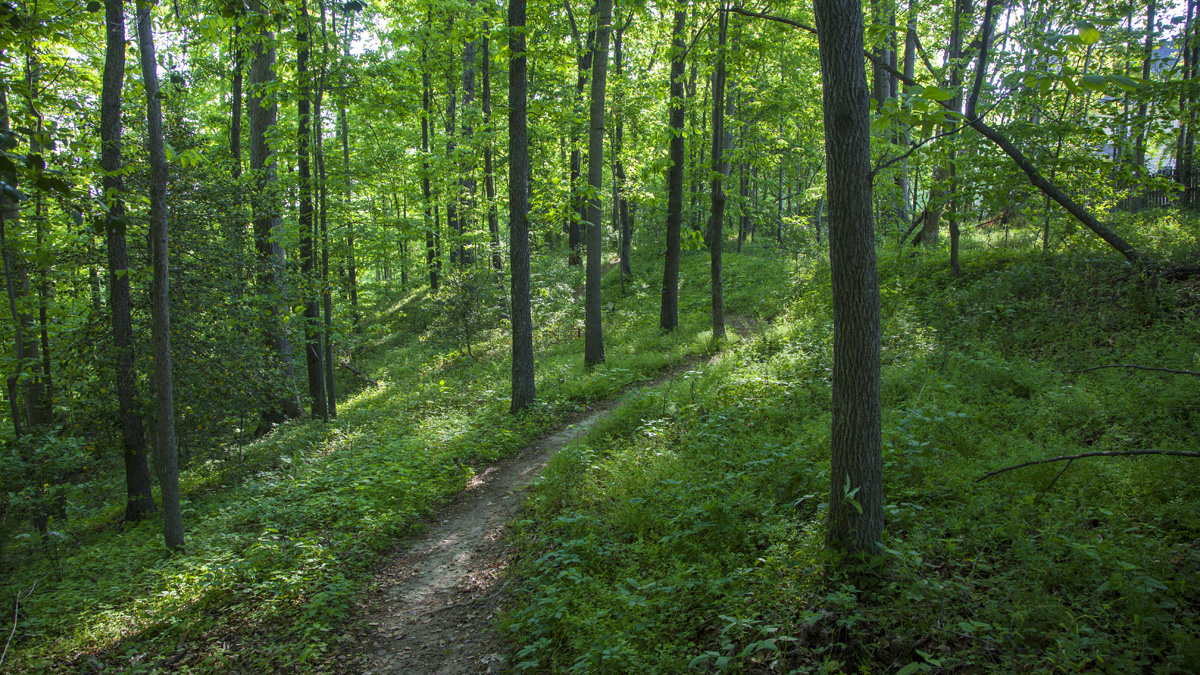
[323, 199]
[139, 498]
[669, 311]
[263, 110]
[620, 203]
[489, 173]
[720, 173]
[314, 350]
[593, 344]
[166, 462]
[351, 262]
[235, 113]
[523, 392]
[426, 94]
[1139, 147]
[579, 206]
[466, 170]
[855, 515]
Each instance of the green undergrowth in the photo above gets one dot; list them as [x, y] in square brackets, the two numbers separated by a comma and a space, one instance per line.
[283, 532]
[686, 534]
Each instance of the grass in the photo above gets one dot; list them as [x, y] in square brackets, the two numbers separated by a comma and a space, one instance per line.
[282, 532]
[687, 533]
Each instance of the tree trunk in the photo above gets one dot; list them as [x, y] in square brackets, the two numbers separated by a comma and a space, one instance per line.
[579, 205]
[523, 392]
[314, 350]
[489, 173]
[426, 94]
[466, 170]
[263, 110]
[139, 498]
[720, 172]
[669, 312]
[1139, 147]
[166, 462]
[323, 199]
[593, 347]
[351, 262]
[855, 515]
[620, 203]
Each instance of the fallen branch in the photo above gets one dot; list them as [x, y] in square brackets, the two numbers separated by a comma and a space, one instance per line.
[16, 611]
[1101, 453]
[1126, 365]
[1180, 272]
[359, 373]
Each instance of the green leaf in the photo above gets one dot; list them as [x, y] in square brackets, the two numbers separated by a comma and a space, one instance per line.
[1088, 34]
[1094, 82]
[936, 93]
[94, 6]
[1124, 82]
[48, 183]
[911, 668]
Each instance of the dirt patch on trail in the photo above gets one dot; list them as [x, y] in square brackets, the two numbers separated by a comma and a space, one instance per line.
[432, 606]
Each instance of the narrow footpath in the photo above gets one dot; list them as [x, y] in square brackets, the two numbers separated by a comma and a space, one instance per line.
[432, 605]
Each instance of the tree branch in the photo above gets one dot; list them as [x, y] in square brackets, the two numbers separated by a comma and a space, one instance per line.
[1102, 453]
[1125, 365]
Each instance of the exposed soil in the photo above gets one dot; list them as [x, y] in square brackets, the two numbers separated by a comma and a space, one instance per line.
[431, 607]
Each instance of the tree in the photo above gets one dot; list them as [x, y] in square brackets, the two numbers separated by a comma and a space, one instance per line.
[263, 111]
[139, 497]
[523, 392]
[720, 173]
[166, 462]
[855, 520]
[314, 351]
[669, 314]
[593, 347]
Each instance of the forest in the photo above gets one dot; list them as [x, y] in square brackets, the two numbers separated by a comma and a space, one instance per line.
[617, 336]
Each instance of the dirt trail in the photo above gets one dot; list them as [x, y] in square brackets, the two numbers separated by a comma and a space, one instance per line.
[432, 605]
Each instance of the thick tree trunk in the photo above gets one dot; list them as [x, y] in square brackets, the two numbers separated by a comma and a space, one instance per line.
[593, 345]
[855, 515]
[669, 310]
[166, 462]
[323, 209]
[720, 173]
[139, 499]
[263, 111]
[523, 392]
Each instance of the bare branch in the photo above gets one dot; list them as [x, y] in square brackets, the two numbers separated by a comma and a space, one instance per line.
[1125, 365]
[1101, 453]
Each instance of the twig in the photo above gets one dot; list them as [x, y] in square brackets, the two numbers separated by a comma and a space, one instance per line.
[1126, 365]
[16, 608]
[358, 372]
[1100, 453]
[1059, 474]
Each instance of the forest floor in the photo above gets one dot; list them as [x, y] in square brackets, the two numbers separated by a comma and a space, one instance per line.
[432, 605]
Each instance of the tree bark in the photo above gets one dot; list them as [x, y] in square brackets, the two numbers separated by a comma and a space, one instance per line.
[669, 311]
[139, 498]
[323, 200]
[166, 461]
[579, 204]
[489, 173]
[720, 172]
[523, 391]
[263, 111]
[855, 516]
[593, 347]
[314, 350]
[431, 262]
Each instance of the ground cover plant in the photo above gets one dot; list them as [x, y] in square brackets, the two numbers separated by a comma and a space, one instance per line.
[686, 535]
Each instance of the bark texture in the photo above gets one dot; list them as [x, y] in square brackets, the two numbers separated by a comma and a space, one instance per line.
[138, 491]
[855, 520]
[669, 310]
[593, 347]
[523, 391]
